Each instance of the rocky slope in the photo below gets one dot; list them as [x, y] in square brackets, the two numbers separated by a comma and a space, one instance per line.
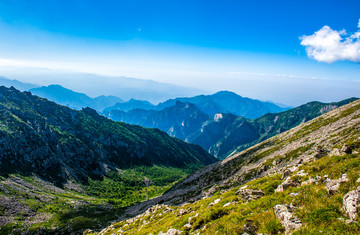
[61, 144]
[303, 181]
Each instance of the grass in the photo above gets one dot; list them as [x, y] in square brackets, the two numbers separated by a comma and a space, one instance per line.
[101, 202]
[319, 211]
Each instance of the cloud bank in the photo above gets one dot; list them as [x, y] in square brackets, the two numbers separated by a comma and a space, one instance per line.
[328, 45]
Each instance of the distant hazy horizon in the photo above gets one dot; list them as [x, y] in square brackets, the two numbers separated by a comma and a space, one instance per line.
[280, 51]
[108, 85]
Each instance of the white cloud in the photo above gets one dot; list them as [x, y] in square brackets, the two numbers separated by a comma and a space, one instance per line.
[328, 45]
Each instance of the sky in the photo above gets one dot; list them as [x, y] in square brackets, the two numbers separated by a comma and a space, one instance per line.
[290, 52]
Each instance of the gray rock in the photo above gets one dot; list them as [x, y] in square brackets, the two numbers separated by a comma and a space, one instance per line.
[216, 201]
[249, 228]
[262, 169]
[147, 182]
[345, 149]
[311, 180]
[250, 194]
[172, 231]
[286, 184]
[276, 162]
[182, 212]
[333, 185]
[286, 173]
[286, 217]
[350, 202]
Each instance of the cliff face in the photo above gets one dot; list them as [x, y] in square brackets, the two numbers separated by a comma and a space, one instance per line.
[59, 144]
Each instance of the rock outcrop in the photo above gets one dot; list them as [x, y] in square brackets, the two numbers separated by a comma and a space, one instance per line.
[286, 184]
[350, 202]
[311, 180]
[286, 217]
[250, 194]
[333, 185]
[172, 231]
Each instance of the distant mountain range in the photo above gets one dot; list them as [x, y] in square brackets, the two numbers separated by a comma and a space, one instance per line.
[94, 85]
[73, 99]
[15, 83]
[220, 102]
[62, 144]
[222, 133]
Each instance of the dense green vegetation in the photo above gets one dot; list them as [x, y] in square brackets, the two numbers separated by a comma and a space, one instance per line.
[99, 203]
[135, 184]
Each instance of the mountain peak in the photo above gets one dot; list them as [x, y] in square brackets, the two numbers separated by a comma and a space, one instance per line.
[221, 93]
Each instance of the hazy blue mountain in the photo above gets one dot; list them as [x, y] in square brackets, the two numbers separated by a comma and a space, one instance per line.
[130, 105]
[220, 102]
[17, 84]
[74, 99]
[243, 133]
[94, 85]
[222, 133]
[227, 102]
[179, 120]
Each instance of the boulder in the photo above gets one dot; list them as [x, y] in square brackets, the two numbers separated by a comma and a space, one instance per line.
[262, 169]
[286, 217]
[250, 194]
[286, 184]
[216, 201]
[333, 185]
[286, 173]
[345, 149]
[249, 228]
[311, 180]
[182, 212]
[171, 231]
[350, 202]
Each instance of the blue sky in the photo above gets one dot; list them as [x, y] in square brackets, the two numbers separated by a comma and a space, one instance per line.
[251, 47]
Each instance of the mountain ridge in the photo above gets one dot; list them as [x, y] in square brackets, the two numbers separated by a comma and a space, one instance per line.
[221, 134]
[72, 99]
[55, 141]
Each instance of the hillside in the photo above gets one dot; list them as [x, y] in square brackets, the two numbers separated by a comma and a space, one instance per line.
[303, 181]
[72, 99]
[222, 133]
[55, 160]
[60, 143]
[179, 120]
